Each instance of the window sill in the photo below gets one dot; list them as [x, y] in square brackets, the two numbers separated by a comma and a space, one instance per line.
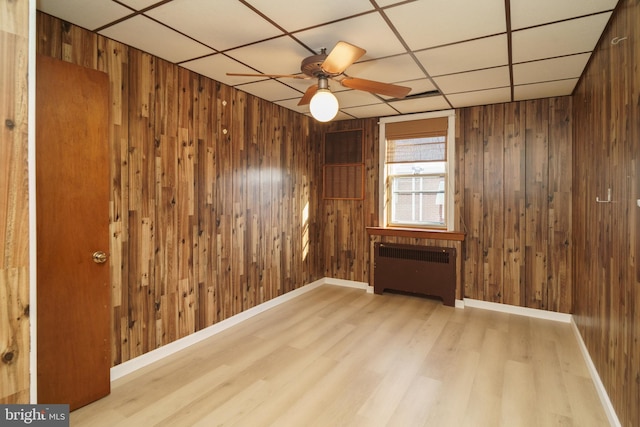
[416, 232]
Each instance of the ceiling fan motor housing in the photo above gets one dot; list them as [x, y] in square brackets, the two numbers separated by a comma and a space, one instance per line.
[312, 66]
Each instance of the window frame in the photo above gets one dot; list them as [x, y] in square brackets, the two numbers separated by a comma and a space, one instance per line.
[384, 190]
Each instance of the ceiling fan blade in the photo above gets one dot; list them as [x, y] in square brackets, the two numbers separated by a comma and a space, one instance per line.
[277, 76]
[376, 87]
[342, 55]
[306, 98]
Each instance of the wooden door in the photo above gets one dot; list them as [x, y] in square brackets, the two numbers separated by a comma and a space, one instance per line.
[72, 208]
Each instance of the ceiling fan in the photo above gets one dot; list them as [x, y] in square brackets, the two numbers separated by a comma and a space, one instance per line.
[332, 66]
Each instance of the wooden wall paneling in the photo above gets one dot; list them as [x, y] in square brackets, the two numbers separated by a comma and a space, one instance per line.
[460, 183]
[112, 59]
[204, 110]
[194, 165]
[473, 202]
[238, 204]
[514, 205]
[14, 214]
[79, 47]
[141, 162]
[288, 167]
[507, 209]
[186, 186]
[224, 206]
[278, 174]
[632, 17]
[222, 225]
[255, 132]
[622, 151]
[345, 240]
[493, 203]
[560, 285]
[536, 140]
[459, 199]
[268, 201]
[372, 184]
[49, 40]
[606, 115]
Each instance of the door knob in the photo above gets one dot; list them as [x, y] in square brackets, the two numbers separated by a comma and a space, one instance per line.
[99, 257]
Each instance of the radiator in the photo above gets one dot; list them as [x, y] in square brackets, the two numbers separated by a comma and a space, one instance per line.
[422, 270]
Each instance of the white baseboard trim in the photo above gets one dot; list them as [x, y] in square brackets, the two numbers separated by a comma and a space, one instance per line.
[346, 283]
[522, 311]
[602, 392]
[146, 359]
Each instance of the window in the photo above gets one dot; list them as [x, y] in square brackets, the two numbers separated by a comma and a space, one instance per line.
[415, 170]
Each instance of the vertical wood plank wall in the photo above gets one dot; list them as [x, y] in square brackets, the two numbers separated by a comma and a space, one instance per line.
[514, 171]
[513, 192]
[343, 222]
[14, 205]
[607, 235]
[213, 198]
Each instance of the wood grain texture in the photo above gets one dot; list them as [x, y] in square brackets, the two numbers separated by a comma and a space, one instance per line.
[212, 194]
[343, 222]
[14, 206]
[606, 155]
[515, 204]
[513, 180]
[72, 203]
[342, 357]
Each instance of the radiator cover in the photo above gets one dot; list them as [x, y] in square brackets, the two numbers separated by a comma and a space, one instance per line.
[425, 270]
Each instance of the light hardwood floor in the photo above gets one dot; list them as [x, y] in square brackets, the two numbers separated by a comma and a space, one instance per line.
[338, 356]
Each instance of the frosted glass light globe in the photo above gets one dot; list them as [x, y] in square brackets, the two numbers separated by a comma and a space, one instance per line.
[323, 105]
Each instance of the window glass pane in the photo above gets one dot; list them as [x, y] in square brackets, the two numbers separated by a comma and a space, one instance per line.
[418, 200]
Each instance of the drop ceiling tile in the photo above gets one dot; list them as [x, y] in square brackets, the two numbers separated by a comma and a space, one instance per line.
[460, 43]
[271, 90]
[143, 33]
[303, 84]
[395, 69]
[374, 110]
[474, 80]
[85, 14]
[419, 86]
[355, 98]
[358, 31]
[281, 55]
[483, 97]
[229, 23]
[561, 68]
[139, 4]
[216, 66]
[418, 105]
[296, 15]
[527, 13]
[544, 90]
[562, 38]
[385, 3]
[339, 116]
[473, 55]
[424, 24]
[292, 104]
